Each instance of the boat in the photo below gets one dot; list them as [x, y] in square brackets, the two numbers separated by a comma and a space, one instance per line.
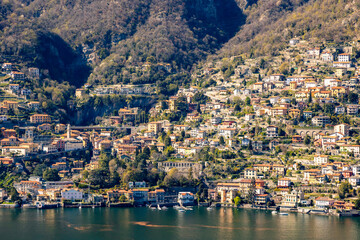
[43, 205]
[153, 208]
[274, 212]
[181, 210]
[177, 207]
[158, 207]
[283, 213]
[209, 208]
[164, 208]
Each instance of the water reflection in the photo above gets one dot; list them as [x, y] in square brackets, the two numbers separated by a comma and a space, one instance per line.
[142, 223]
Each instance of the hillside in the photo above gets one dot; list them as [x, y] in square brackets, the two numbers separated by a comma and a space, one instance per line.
[271, 24]
[172, 31]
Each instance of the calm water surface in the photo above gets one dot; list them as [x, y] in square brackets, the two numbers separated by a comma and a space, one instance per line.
[143, 223]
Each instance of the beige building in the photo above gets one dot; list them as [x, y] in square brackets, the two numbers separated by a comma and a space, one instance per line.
[342, 128]
[155, 127]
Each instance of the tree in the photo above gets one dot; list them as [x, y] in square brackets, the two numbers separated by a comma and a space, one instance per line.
[122, 198]
[237, 108]
[248, 101]
[307, 140]
[51, 174]
[251, 193]
[14, 195]
[39, 169]
[310, 97]
[237, 201]
[221, 140]
[99, 177]
[357, 203]
[167, 141]
[284, 68]
[344, 189]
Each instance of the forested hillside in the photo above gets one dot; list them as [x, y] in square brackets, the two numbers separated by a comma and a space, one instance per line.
[107, 42]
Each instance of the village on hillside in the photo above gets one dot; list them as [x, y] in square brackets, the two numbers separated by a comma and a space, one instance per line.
[277, 132]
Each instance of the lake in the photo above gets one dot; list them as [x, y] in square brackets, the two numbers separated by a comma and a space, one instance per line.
[144, 223]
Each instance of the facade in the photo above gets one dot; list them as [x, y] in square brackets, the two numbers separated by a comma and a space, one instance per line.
[72, 195]
[272, 132]
[186, 198]
[321, 121]
[343, 129]
[321, 159]
[40, 118]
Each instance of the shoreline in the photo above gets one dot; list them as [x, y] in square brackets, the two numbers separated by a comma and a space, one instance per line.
[277, 209]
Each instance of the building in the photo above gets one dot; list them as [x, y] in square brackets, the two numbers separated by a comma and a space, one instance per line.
[292, 199]
[186, 198]
[272, 131]
[321, 121]
[40, 118]
[344, 57]
[342, 128]
[321, 159]
[227, 132]
[155, 127]
[250, 173]
[72, 195]
[79, 93]
[284, 182]
[324, 202]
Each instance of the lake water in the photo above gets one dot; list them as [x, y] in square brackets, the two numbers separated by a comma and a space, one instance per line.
[144, 223]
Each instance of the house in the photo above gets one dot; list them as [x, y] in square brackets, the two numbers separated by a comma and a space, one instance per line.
[272, 131]
[186, 198]
[140, 196]
[321, 159]
[10, 104]
[80, 92]
[314, 53]
[261, 199]
[292, 199]
[250, 173]
[227, 132]
[339, 109]
[343, 129]
[72, 195]
[155, 127]
[352, 109]
[355, 149]
[321, 121]
[34, 105]
[344, 57]
[284, 183]
[354, 181]
[278, 111]
[40, 118]
[297, 139]
[17, 75]
[327, 57]
[14, 88]
[324, 202]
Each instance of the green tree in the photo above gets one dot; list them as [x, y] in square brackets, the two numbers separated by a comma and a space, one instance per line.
[237, 201]
[167, 141]
[122, 198]
[248, 101]
[357, 203]
[221, 140]
[51, 174]
[250, 197]
[344, 189]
